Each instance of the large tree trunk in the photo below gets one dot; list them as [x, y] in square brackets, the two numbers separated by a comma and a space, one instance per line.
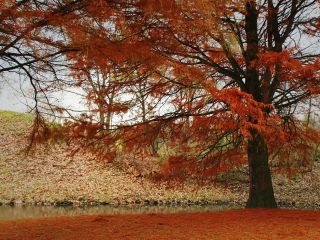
[261, 193]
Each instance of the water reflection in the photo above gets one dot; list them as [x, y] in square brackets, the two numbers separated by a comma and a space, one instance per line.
[23, 212]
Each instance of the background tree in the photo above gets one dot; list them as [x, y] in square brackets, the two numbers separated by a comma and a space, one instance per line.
[100, 93]
[31, 44]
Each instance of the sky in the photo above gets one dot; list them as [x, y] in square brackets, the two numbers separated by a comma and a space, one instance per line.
[13, 99]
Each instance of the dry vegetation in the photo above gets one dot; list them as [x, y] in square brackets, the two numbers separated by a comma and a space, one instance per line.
[53, 176]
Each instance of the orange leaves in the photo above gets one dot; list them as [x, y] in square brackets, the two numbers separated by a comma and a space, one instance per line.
[269, 59]
[116, 108]
[291, 68]
[151, 7]
[85, 130]
[175, 168]
[100, 10]
[154, 33]
[187, 75]
[198, 88]
[247, 112]
[291, 145]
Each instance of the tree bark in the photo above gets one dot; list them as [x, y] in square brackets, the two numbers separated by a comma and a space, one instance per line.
[261, 193]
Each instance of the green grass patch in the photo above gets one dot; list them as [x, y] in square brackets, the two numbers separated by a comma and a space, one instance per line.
[15, 116]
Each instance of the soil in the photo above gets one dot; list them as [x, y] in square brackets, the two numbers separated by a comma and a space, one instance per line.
[236, 224]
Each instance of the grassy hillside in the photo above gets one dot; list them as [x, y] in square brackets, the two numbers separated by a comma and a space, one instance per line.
[51, 175]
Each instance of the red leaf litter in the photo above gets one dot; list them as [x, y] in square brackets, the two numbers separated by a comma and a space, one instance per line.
[235, 224]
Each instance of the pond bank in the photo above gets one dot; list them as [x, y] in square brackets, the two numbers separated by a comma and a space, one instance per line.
[14, 212]
[157, 203]
[146, 202]
[28, 212]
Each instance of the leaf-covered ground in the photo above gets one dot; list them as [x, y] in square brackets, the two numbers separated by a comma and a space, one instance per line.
[52, 175]
[241, 224]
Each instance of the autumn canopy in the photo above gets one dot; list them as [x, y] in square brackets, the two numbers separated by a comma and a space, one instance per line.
[224, 83]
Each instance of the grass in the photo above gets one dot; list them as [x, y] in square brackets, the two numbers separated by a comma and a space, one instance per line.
[15, 116]
[15, 122]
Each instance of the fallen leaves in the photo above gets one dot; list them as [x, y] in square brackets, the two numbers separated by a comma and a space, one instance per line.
[239, 224]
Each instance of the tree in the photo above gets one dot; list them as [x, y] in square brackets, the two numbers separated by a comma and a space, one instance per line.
[256, 58]
[26, 48]
[100, 92]
[247, 66]
[251, 62]
[269, 64]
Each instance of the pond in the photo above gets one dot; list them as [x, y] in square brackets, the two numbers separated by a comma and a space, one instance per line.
[24, 212]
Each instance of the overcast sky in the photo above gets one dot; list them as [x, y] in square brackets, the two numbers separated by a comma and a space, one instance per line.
[11, 98]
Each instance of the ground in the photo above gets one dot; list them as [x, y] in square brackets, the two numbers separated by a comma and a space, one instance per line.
[52, 175]
[237, 224]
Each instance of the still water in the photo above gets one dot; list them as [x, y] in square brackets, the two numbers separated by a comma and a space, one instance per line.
[23, 212]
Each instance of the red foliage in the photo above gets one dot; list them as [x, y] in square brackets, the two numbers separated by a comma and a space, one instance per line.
[200, 76]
